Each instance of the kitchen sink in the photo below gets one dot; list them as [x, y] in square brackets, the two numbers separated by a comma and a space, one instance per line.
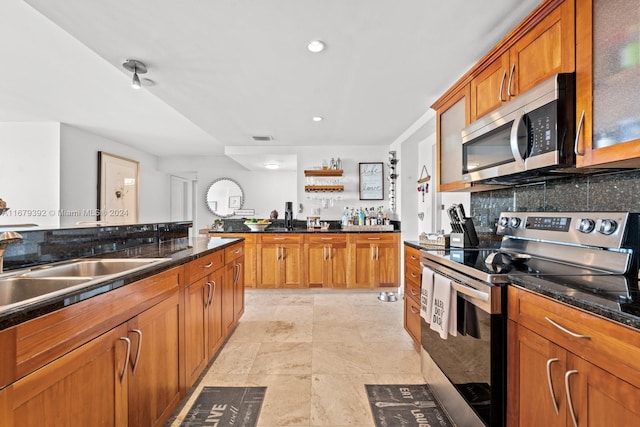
[93, 267]
[49, 280]
[15, 290]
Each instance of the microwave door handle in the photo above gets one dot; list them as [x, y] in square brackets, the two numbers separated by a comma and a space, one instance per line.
[515, 150]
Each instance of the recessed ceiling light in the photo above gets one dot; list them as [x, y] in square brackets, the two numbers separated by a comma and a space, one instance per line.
[317, 118]
[271, 165]
[316, 46]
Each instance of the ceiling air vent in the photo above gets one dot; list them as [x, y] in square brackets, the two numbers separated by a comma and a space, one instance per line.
[262, 138]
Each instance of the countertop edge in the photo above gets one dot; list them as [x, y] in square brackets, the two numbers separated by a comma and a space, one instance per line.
[199, 247]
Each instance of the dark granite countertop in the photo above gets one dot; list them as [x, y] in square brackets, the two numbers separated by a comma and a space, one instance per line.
[177, 252]
[627, 313]
[305, 230]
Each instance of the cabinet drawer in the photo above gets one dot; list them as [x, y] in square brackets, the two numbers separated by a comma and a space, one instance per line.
[376, 238]
[281, 238]
[412, 319]
[233, 252]
[207, 264]
[613, 347]
[412, 290]
[340, 239]
[411, 256]
[412, 273]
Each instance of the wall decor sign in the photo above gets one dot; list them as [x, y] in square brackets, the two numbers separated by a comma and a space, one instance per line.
[117, 189]
[371, 181]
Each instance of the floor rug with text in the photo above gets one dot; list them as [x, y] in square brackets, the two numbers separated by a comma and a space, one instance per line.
[405, 405]
[226, 406]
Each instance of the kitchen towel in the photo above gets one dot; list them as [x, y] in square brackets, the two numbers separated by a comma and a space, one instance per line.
[426, 294]
[444, 307]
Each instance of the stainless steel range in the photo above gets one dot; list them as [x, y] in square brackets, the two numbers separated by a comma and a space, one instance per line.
[588, 255]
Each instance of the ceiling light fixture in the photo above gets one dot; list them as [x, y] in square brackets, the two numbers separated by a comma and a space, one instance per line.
[136, 67]
[271, 165]
[317, 118]
[316, 46]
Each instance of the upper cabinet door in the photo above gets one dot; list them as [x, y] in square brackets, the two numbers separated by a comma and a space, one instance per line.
[545, 50]
[608, 83]
[489, 87]
[451, 117]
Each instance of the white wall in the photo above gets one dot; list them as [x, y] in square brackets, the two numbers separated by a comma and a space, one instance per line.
[79, 176]
[30, 173]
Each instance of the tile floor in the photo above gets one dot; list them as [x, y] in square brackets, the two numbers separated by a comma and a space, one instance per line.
[315, 350]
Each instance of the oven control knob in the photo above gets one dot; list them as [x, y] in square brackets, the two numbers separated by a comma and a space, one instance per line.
[586, 225]
[514, 222]
[608, 226]
[504, 221]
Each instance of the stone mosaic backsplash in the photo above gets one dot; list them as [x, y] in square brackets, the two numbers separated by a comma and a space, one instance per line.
[612, 191]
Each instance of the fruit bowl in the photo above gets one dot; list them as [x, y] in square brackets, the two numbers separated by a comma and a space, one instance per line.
[257, 226]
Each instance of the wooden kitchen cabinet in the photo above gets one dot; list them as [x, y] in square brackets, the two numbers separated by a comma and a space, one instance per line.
[541, 46]
[327, 260]
[375, 260]
[280, 261]
[233, 288]
[593, 375]
[203, 322]
[250, 255]
[452, 115]
[412, 284]
[154, 386]
[607, 83]
[92, 376]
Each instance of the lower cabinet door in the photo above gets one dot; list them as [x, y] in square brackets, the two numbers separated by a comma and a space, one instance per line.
[154, 389]
[85, 387]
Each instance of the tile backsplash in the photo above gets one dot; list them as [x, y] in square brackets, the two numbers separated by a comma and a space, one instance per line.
[611, 191]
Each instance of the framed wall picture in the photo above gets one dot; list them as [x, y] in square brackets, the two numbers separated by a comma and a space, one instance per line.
[234, 202]
[371, 184]
[117, 189]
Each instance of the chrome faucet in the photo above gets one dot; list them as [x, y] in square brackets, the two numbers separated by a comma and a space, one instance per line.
[6, 238]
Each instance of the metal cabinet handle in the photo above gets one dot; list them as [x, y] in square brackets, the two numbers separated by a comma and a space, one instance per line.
[126, 358]
[413, 275]
[326, 238]
[213, 291]
[206, 301]
[413, 258]
[513, 68]
[414, 293]
[566, 331]
[578, 130]
[413, 310]
[550, 381]
[568, 390]
[237, 251]
[372, 253]
[283, 253]
[135, 362]
[330, 252]
[504, 76]
[279, 238]
[208, 265]
[474, 293]
[324, 253]
[237, 279]
[377, 252]
[373, 238]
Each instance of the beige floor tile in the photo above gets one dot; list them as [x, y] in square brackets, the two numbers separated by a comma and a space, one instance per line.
[249, 331]
[288, 331]
[379, 332]
[235, 358]
[400, 379]
[293, 313]
[335, 331]
[287, 401]
[393, 357]
[283, 358]
[340, 400]
[340, 358]
[344, 313]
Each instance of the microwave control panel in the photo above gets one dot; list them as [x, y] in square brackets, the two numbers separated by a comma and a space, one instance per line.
[542, 124]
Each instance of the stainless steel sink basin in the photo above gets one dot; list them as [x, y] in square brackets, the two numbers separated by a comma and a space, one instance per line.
[46, 281]
[22, 289]
[93, 267]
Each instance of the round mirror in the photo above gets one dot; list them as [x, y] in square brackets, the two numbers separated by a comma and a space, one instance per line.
[224, 196]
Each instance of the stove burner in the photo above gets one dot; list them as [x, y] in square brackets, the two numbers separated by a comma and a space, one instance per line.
[504, 262]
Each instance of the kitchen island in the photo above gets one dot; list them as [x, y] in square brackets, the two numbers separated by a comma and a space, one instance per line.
[127, 349]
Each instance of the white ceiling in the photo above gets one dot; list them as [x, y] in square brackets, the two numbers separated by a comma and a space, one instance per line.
[226, 70]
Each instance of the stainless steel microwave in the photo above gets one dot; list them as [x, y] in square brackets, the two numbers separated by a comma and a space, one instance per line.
[527, 139]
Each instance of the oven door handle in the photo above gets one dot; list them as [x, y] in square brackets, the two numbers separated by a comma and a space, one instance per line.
[474, 293]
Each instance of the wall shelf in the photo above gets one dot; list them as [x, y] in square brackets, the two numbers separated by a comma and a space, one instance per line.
[323, 172]
[323, 188]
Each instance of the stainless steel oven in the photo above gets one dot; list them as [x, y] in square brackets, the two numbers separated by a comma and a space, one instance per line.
[591, 254]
